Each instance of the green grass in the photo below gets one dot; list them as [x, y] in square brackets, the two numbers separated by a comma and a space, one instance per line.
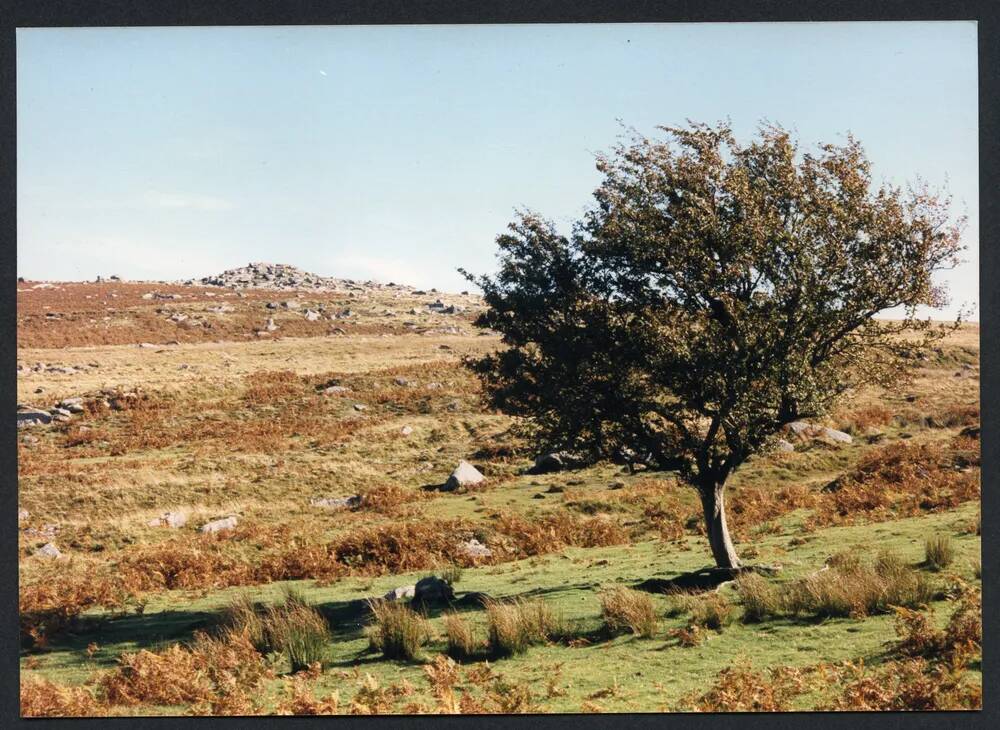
[649, 674]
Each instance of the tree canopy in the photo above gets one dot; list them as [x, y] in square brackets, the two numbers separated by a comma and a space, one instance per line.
[713, 293]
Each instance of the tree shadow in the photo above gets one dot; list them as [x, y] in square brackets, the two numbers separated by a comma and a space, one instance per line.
[705, 579]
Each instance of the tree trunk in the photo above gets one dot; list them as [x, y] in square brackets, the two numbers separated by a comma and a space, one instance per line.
[713, 502]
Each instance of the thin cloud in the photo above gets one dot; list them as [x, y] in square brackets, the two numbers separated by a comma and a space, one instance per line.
[187, 202]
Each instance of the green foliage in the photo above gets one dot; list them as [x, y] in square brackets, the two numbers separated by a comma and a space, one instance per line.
[714, 293]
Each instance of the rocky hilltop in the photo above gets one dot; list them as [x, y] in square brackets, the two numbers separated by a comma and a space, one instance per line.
[262, 275]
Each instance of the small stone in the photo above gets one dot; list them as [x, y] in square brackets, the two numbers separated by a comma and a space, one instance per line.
[784, 446]
[48, 550]
[401, 381]
[399, 593]
[22, 515]
[311, 316]
[337, 502]
[433, 590]
[406, 430]
[475, 549]
[169, 519]
[360, 407]
[32, 417]
[465, 474]
[834, 435]
[336, 389]
[547, 463]
[227, 523]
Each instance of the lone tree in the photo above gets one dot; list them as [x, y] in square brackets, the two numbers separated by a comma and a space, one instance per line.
[715, 293]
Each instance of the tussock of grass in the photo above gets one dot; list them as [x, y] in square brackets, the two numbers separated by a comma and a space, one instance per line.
[939, 552]
[853, 586]
[515, 625]
[708, 610]
[759, 597]
[629, 610]
[462, 642]
[398, 632]
[299, 631]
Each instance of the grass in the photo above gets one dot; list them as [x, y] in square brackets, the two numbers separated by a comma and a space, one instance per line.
[513, 626]
[397, 631]
[625, 609]
[571, 583]
[939, 552]
[227, 425]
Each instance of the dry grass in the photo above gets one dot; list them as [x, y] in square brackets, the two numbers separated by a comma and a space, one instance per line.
[43, 698]
[297, 630]
[397, 631]
[217, 673]
[739, 688]
[759, 597]
[625, 609]
[939, 552]
[854, 586]
[513, 626]
[462, 641]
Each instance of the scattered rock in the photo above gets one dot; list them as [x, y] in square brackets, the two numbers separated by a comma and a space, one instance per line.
[270, 326]
[337, 502]
[311, 315]
[226, 523]
[475, 549]
[173, 519]
[400, 593]
[433, 591]
[834, 435]
[547, 463]
[555, 489]
[48, 550]
[465, 474]
[32, 417]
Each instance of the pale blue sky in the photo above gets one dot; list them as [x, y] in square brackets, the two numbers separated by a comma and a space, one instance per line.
[399, 153]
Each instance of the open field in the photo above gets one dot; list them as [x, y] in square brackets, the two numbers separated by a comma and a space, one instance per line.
[215, 420]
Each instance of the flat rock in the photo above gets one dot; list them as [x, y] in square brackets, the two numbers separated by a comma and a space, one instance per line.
[465, 474]
[226, 523]
[48, 550]
[399, 593]
[169, 519]
[311, 315]
[834, 435]
[475, 549]
[32, 417]
[336, 389]
[784, 446]
[547, 463]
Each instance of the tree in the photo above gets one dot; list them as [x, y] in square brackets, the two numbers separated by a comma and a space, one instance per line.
[713, 293]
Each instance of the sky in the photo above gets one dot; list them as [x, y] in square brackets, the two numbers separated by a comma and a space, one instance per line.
[399, 153]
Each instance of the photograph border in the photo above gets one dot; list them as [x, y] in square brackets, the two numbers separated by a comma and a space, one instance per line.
[64, 13]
